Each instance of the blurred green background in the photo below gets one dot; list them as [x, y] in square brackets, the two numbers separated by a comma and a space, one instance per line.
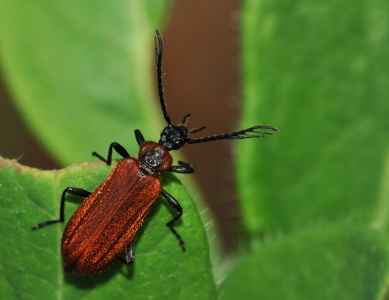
[314, 198]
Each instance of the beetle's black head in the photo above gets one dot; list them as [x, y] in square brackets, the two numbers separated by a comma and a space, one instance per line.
[174, 137]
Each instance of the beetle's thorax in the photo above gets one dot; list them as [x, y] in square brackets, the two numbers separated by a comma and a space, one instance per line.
[154, 158]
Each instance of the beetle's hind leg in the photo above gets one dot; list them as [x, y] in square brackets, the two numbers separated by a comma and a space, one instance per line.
[129, 254]
[70, 190]
[174, 203]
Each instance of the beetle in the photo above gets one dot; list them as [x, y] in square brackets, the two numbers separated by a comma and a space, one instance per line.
[104, 225]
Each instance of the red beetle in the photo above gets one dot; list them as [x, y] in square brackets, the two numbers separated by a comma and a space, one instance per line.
[104, 225]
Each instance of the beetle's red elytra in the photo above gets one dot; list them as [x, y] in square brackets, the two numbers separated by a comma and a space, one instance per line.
[109, 229]
[104, 226]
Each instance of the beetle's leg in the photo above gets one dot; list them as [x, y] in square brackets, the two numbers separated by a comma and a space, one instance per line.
[139, 137]
[129, 254]
[118, 148]
[173, 203]
[70, 190]
[184, 168]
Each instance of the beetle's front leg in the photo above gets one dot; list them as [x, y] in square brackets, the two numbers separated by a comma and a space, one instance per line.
[118, 148]
[183, 168]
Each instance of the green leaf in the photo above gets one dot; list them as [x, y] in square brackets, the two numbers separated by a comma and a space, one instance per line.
[31, 264]
[81, 72]
[334, 262]
[318, 71]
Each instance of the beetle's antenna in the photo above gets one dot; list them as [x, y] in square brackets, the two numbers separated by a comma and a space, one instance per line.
[194, 130]
[158, 63]
[242, 134]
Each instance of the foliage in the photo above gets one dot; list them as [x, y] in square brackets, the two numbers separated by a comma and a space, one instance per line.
[314, 198]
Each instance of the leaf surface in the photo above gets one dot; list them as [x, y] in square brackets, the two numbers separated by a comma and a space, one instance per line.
[329, 262]
[31, 263]
[317, 71]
